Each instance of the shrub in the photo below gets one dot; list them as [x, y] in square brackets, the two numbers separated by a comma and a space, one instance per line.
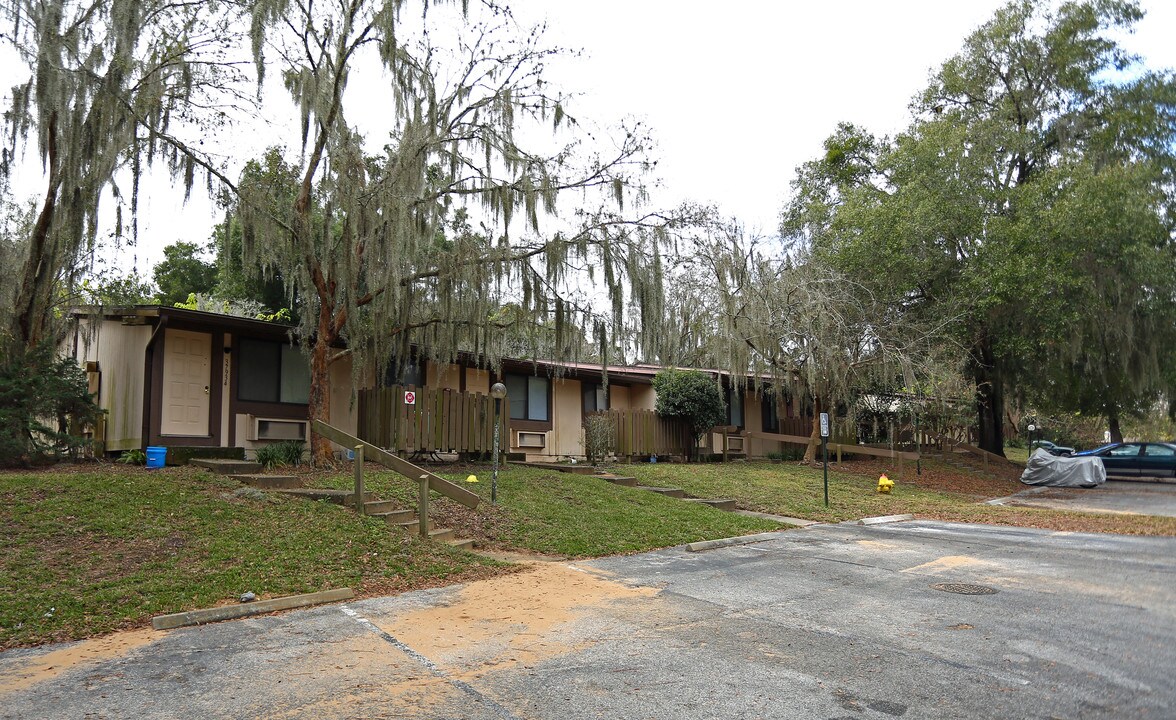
[692, 397]
[790, 453]
[132, 457]
[281, 454]
[599, 431]
[44, 404]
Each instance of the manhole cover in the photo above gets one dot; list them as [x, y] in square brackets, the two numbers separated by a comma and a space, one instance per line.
[964, 588]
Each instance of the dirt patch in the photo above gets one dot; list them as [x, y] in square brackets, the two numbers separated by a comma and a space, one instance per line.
[508, 621]
[23, 673]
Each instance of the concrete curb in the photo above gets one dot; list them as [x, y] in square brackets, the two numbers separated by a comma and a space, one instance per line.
[728, 542]
[1010, 498]
[881, 519]
[232, 612]
[782, 519]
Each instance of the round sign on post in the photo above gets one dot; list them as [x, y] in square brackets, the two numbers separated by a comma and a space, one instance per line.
[409, 397]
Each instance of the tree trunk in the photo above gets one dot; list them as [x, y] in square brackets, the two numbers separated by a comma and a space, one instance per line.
[1113, 423]
[320, 387]
[989, 397]
[810, 451]
[29, 311]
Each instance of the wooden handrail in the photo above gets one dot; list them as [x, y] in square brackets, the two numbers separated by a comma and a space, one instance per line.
[400, 465]
[838, 447]
[984, 454]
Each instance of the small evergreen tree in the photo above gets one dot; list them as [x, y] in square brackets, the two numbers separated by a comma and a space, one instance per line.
[44, 401]
[692, 397]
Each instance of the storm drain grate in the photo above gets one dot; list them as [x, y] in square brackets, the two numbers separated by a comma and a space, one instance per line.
[964, 588]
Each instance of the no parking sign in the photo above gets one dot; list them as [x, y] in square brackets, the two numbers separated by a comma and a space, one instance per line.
[409, 397]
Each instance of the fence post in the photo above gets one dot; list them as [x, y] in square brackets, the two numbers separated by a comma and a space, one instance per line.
[423, 507]
[359, 479]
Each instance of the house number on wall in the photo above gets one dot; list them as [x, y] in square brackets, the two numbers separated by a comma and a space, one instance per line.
[225, 374]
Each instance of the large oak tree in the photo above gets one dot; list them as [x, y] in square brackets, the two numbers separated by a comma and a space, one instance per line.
[422, 236]
[996, 200]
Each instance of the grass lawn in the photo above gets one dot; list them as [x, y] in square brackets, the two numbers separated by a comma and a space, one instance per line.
[546, 511]
[941, 492]
[94, 548]
[1019, 455]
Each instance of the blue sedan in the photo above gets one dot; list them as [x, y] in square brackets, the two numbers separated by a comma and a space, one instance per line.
[1136, 459]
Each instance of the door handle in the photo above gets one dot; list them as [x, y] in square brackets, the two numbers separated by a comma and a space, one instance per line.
[205, 389]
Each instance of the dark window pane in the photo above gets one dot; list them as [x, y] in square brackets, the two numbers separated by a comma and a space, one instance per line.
[736, 407]
[516, 393]
[594, 398]
[295, 376]
[769, 413]
[537, 388]
[258, 370]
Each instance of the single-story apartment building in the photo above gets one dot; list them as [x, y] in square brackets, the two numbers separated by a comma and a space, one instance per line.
[185, 378]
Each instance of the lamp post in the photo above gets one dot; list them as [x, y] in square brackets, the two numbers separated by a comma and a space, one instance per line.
[497, 391]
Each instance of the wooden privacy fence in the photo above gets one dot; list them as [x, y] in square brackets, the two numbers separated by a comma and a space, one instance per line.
[441, 420]
[642, 432]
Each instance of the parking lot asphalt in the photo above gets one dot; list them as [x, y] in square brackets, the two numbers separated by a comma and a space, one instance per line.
[1114, 496]
[832, 621]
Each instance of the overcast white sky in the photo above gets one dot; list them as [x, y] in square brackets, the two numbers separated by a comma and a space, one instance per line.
[738, 93]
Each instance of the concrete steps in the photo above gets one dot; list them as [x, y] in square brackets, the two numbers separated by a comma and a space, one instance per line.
[413, 524]
[339, 497]
[724, 504]
[377, 507]
[618, 480]
[270, 482]
[227, 467]
[249, 473]
[668, 492]
[395, 518]
[442, 534]
[561, 467]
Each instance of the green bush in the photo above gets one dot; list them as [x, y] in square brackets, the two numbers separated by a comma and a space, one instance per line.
[692, 397]
[789, 453]
[44, 404]
[132, 457]
[599, 431]
[281, 454]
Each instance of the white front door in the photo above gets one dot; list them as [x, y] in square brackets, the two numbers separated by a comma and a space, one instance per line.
[186, 376]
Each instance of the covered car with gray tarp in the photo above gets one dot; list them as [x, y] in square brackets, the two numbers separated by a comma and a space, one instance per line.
[1055, 471]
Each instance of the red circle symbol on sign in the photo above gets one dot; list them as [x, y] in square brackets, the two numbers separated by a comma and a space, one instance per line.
[409, 397]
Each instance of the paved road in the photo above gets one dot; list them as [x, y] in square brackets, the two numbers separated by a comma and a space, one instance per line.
[1115, 496]
[826, 622]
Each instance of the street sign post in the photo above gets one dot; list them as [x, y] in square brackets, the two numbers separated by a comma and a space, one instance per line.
[825, 451]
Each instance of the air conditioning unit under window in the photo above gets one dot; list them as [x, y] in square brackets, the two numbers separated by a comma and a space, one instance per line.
[734, 443]
[260, 428]
[531, 439]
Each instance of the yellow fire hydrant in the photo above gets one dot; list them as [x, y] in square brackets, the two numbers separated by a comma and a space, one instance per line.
[885, 484]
